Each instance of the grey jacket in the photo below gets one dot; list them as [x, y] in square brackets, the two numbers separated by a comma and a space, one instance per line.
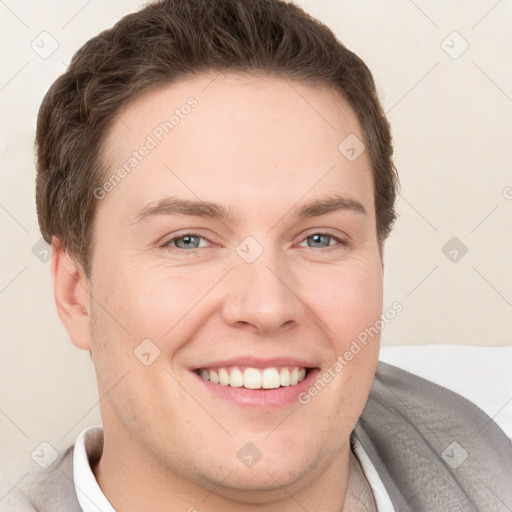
[434, 451]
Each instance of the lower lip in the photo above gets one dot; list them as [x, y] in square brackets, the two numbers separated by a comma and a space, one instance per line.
[261, 398]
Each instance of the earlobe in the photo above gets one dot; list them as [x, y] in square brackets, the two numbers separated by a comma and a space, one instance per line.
[72, 295]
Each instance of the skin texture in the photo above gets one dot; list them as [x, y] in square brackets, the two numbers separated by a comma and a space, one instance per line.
[259, 146]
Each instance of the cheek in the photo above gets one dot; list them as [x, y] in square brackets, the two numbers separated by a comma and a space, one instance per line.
[146, 299]
[151, 310]
[159, 302]
[162, 302]
[348, 300]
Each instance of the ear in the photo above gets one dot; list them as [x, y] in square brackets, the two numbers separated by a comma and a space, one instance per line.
[71, 289]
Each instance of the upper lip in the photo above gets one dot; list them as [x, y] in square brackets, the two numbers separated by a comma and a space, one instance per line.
[257, 362]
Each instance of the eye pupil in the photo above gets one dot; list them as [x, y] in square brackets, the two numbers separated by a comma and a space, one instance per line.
[192, 241]
[318, 236]
[188, 240]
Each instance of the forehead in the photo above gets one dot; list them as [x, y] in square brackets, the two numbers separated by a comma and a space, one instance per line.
[253, 134]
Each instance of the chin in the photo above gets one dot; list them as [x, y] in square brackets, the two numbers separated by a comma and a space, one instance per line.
[277, 468]
[262, 483]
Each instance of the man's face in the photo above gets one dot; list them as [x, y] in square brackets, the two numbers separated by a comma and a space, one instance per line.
[261, 288]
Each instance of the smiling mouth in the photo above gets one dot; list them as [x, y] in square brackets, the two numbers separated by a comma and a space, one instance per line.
[254, 378]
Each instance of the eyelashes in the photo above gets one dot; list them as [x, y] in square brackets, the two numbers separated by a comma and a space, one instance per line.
[188, 234]
[168, 243]
[340, 241]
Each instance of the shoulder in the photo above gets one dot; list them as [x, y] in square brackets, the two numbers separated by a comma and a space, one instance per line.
[424, 407]
[417, 433]
[41, 490]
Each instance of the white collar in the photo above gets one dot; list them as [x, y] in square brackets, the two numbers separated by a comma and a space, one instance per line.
[380, 494]
[90, 496]
[89, 445]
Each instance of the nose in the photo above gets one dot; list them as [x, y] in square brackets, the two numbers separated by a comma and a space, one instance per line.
[261, 296]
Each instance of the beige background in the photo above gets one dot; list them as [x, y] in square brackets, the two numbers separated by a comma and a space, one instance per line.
[451, 120]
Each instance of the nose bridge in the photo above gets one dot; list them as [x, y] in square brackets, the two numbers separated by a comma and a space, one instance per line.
[261, 292]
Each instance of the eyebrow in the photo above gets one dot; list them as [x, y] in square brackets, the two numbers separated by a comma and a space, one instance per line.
[177, 206]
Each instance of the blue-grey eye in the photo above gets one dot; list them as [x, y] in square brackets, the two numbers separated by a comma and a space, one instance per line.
[190, 241]
[318, 242]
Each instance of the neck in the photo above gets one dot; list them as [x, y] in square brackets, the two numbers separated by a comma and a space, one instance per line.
[132, 479]
[359, 496]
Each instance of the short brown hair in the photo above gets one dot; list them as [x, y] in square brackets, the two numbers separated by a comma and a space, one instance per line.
[170, 40]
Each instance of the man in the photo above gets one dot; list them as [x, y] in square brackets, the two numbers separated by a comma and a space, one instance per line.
[215, 178]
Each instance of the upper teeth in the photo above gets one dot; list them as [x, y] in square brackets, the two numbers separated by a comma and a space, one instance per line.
[254, 378]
